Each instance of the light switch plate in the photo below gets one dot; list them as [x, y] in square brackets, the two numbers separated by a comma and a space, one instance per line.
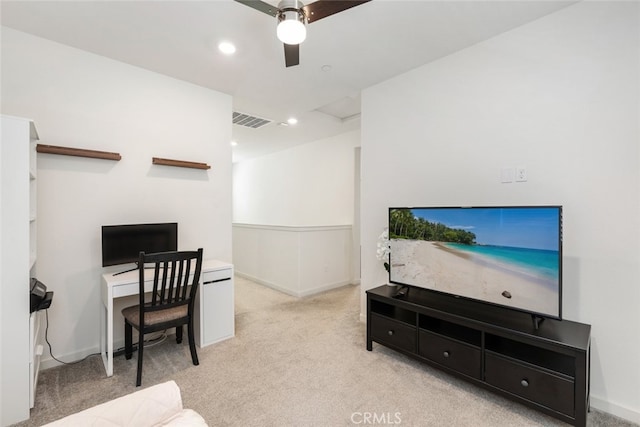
[507, 175]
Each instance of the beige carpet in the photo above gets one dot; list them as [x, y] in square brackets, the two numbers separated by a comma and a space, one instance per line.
[293, 362]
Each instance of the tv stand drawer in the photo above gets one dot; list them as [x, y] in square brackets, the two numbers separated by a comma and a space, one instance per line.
[463, 358]
[393, 333]
[537, 385]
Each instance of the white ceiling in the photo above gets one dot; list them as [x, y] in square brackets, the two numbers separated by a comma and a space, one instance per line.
[363, 46]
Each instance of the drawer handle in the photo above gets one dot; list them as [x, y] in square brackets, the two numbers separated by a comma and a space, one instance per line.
[390, 332]
[445, 354]
[524, 383]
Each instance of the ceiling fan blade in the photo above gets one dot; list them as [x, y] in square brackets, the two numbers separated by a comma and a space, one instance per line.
[291, 54]
[322, 8]
[260, 6]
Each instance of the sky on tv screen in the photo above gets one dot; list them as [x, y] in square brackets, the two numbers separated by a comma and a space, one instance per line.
[534, 228]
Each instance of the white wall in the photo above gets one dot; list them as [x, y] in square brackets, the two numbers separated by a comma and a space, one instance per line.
[293, 215]
[311, 184]
[560, 96]
[299, 261]
[82, 100]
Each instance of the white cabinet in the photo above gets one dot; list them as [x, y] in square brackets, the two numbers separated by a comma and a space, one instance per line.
[214, 305]
[17, 266]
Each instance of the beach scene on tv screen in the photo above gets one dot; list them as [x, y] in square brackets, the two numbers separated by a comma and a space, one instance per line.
[505, 256]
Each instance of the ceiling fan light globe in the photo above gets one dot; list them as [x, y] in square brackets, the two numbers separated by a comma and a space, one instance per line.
[291, 31]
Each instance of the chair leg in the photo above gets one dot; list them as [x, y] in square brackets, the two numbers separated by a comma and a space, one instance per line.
[179, 334]
[140, 351]
[128, 341]
[192, 343]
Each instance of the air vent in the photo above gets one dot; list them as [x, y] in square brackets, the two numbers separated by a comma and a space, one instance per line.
[249, 121]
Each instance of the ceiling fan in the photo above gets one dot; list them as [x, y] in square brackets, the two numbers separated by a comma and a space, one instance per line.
[292, 17]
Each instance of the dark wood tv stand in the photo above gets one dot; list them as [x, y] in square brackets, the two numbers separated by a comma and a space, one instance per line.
[545, 368]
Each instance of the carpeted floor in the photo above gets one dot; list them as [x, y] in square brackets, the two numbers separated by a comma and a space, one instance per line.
[293, 362]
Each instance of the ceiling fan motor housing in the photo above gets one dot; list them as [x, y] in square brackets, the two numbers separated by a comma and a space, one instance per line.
[291, 9]
[292, 14]
[290, 4]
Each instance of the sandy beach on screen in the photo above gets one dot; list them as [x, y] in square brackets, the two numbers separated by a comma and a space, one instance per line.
[435, 266]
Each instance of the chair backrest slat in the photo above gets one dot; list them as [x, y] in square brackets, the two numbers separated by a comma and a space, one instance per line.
[186, 274]
[172, 281]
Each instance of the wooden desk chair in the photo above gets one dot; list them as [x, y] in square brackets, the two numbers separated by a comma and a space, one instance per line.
[170, 304]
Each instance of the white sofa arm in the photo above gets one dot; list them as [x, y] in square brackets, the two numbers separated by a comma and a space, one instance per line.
[153, 406]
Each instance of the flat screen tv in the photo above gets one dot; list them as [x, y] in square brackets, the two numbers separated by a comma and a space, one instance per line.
[506, 256]
[121, 244]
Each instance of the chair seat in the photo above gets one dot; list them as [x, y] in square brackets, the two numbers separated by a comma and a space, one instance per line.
[132, 314]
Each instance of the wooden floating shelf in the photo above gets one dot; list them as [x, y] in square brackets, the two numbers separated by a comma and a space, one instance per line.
[180, 163]
[78, 152]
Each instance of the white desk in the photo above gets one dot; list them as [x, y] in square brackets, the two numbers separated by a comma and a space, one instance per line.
[214, 305]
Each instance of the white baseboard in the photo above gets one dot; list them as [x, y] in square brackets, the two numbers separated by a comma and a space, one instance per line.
[267, 284]
[617, 410]
[294, 293]
[324, 288]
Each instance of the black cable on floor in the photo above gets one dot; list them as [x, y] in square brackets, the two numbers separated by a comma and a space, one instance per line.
[46, 338]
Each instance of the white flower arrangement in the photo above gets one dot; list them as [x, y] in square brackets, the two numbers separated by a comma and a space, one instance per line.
[383, 248]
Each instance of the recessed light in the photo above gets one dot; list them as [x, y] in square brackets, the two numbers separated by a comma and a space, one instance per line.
[234, 143]
[227, 48]
[292, 120]
[326, 68]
